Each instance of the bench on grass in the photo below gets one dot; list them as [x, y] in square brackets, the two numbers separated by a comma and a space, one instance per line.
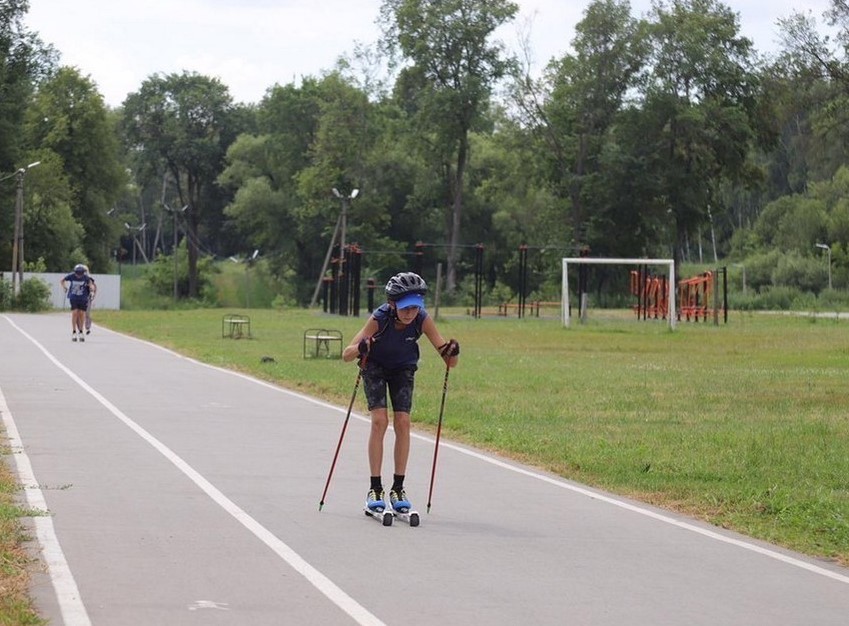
[235, 326]
[322, 343]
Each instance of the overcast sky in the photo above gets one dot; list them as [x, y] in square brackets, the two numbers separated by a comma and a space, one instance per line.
[252, 44]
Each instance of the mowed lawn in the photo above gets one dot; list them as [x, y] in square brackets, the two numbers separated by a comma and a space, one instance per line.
[744, 425]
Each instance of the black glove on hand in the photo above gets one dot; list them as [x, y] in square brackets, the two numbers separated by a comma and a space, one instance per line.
[452, 348]
[364, 346]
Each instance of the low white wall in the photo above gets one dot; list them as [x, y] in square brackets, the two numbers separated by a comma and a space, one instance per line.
[108, 289]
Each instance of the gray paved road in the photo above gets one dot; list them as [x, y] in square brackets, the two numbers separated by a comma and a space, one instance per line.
[183, 494]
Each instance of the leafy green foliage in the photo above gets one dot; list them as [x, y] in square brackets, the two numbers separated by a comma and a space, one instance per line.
[67, 121]
[181, 124]
[34, 296]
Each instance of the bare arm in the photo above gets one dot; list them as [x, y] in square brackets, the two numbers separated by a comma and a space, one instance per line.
[438, 341]
[352, 350]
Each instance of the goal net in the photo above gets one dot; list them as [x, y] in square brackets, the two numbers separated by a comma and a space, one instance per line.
[668, 263]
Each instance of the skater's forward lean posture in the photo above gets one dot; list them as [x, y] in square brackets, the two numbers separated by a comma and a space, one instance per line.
[80, 288]
[388, 352]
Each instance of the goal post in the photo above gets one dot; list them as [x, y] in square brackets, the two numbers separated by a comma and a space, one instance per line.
[669, 263]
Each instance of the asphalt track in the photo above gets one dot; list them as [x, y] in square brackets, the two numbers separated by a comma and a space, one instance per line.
[179, 493]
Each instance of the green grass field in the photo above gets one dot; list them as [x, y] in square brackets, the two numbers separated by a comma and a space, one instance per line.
[743, 425]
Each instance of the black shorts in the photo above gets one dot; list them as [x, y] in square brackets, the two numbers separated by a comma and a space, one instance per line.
[400, 382]
[79, 304]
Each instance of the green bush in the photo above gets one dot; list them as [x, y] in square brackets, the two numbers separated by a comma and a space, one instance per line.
[804, 273]
[776, 298]
[833, 300]
[34, 296]
[160, 275]
[7, 300]
[759, 269]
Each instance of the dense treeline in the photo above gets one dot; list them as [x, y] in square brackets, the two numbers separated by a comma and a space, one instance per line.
[665, 136]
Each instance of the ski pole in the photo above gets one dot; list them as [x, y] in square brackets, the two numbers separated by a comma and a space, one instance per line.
[342, 435]
[438, 432]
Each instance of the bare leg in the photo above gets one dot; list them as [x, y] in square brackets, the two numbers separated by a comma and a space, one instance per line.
[401, 424]
[379, 424]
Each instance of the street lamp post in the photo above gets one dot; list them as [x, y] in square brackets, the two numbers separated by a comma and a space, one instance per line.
[18, 238]
[346, 201]
[137, 229]
[828, 250]
[174, 248]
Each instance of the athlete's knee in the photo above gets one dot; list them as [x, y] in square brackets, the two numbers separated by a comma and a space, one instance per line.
[379, 420]
[401, 421]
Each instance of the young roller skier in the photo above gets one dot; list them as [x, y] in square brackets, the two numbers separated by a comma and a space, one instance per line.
[388, 351]
[80, 287]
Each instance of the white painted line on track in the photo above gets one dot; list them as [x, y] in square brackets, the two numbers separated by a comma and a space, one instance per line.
[68, 596]
[323, 584]
[666, 519]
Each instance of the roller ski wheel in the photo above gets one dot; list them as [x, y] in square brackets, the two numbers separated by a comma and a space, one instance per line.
[402, 509]
[376, 507]
[382, 515]
[407, 515]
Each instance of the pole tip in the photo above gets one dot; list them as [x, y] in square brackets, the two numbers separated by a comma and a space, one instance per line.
[320, 504]
[428, 508]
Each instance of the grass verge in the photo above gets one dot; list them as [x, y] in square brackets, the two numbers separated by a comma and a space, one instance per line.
[15, 605]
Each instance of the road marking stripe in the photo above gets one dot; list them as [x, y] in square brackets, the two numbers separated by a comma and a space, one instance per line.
[67, 594]
[335, 594]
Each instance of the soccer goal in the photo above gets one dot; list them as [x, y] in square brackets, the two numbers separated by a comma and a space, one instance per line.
[669, 263]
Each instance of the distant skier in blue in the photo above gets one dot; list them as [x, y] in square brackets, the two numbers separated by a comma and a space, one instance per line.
[80, 288]
[388, 351]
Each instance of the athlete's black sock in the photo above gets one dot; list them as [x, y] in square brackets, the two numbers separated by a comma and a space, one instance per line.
[376, 483]
[397, 482]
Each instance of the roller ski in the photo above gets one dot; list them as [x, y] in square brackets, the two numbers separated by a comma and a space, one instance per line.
[402, 509]
[376, 507]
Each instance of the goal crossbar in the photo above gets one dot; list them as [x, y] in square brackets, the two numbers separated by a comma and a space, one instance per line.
[670, 263]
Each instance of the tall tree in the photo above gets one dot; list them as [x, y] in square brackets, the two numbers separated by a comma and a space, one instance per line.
[24, 62]
[67, 116]
[453, 66]
[586, 92]
[699, 98]
[180, 124]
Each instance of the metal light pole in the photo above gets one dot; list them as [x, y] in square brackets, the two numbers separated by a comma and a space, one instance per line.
[828, 250]
[18, 239]
[346, 201]
[138, 230]
[248, 264]
[174, 248]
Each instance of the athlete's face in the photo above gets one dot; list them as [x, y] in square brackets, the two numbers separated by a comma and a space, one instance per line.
[407, 315]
